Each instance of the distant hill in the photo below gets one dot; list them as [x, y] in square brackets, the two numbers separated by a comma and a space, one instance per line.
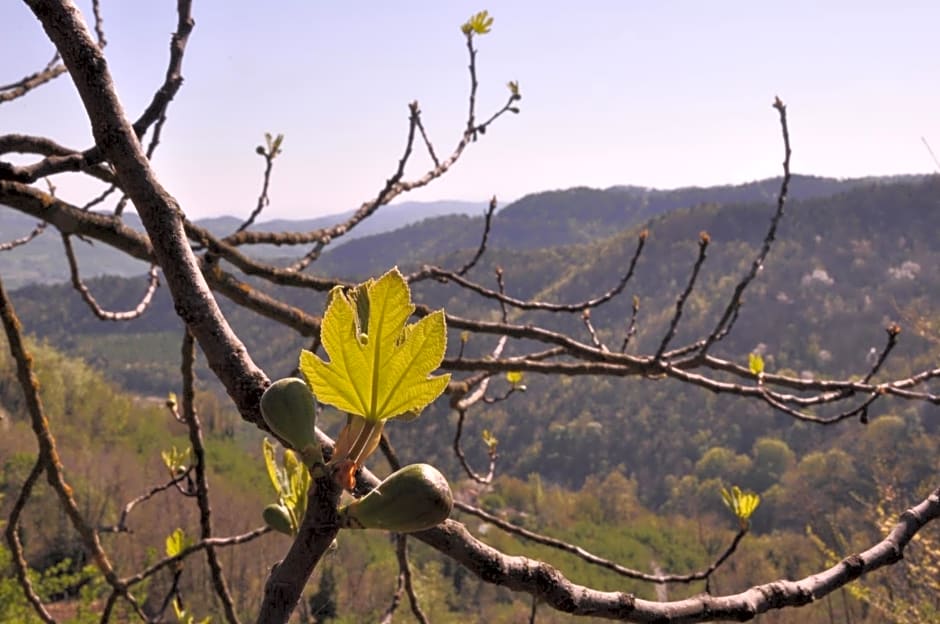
[42, 262]
[567, 217]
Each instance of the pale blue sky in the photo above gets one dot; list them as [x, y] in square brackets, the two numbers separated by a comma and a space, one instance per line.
[654, 93]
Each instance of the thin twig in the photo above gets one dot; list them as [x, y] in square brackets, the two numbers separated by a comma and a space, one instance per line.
[703, 241]
[401, 553]
[726, 318]
[20, 566]
[593, 559]
[188, 351]
[39, 229]
[105, 315]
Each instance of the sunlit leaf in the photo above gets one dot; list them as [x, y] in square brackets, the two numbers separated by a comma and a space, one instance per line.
[277, 477]
[176, 542]
[379, 367]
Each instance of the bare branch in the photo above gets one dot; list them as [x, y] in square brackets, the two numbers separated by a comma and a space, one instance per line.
[202, 485]
[703, 240]
[401, 553]
[600, 561]
[458, 279]
[734, 303]
[39, 229]
[14, 90]
[105, 315]
[16, 547]
[121, 526]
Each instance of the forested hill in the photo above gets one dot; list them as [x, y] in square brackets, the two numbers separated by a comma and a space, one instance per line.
[42, 261]
[424, 229]
[843, 267]
[572, 216]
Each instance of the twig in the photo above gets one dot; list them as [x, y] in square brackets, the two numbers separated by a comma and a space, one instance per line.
[595, 340]
[39, 229]
[631, 328]
[703, 240]
[121, 526]
[593, 559]
[726, 321]
[487, 223]
[152, 283]
[216, 542]
[14, 90]
[401, 553]
[202, 486]
[16, 547]
[263, 199]
[457, 278]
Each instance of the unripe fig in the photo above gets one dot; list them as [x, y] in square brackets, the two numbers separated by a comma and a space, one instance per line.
[278, 518]
[289, 409]
[415, 498]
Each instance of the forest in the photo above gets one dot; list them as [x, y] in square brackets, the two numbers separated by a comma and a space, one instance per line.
[729, 424]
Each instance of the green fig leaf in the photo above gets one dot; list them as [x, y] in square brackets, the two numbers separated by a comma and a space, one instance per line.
[379, 367]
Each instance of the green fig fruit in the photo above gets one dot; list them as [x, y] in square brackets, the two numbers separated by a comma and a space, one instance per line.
[415, 498]
[278, 518]
[289, 409]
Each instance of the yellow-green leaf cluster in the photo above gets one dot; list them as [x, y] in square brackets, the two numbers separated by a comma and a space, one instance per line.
[176, 542]
[756, 363]
[177, 462]
[290, 482]
[742, 504]
[479, 24]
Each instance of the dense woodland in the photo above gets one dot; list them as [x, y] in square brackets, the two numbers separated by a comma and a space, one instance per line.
[617, 466]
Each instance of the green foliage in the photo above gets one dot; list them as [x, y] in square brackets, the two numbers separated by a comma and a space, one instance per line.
[291, 483]
[478, 24]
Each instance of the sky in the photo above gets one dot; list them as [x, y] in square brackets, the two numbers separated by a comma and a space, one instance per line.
[654, 93]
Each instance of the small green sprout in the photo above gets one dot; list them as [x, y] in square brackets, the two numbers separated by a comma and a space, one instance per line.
[177, 462]
[516, 379]
[756, 363]
[490, 441]
[479, 24]
[742, 504]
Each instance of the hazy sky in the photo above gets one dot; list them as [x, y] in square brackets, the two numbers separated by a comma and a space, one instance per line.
[654, 93]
